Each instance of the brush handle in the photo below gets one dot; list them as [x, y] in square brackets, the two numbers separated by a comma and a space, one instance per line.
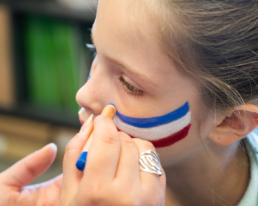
[108, 111]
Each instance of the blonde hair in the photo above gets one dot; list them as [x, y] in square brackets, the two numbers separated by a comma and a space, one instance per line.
[213, 41]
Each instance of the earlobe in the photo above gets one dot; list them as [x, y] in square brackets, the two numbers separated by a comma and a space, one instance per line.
[240, 122]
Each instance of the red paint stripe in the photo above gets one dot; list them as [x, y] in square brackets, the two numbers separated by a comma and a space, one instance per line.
[172, 139]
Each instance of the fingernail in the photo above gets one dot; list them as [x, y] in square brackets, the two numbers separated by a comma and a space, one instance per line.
[80, 164]
[85, 125]
[53, 145]
[89, 120]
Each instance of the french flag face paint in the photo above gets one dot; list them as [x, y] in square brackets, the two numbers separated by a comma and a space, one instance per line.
[162, 131]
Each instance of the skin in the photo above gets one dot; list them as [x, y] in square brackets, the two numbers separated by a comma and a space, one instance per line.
[202, 169]
[13, 181]
[199, 171]
[112, 178]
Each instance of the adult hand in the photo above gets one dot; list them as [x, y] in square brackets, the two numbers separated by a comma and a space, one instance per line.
[12, 181]
[111, 175]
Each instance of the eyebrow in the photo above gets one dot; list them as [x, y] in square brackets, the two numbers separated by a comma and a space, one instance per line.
[126, 67]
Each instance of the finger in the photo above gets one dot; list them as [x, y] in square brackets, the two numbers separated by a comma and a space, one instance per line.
[149, 180]
[162, 180]
[128, 168]
[27, 169]
[80, 164]
[46, 193]
[85, 125]
[72, 175]
[103, 153]
[57, 181]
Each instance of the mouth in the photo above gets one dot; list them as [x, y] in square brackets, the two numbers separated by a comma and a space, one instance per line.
[170, 140]
[81, 120]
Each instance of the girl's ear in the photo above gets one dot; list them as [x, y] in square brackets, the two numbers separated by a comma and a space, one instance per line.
[240, 122]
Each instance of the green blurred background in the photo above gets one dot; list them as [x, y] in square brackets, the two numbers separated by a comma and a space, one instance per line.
[43, 63]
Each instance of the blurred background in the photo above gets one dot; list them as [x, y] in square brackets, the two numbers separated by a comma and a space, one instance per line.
[43, 63]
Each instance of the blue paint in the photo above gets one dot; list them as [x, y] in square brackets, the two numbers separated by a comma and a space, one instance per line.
[89, 77]
[80, 164]
[112, 104]
[155, 121]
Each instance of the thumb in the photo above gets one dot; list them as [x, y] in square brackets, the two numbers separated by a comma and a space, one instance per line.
[71, 175]
[27, 169]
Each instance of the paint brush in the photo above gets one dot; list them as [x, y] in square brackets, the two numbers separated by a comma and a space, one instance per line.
[108, 111]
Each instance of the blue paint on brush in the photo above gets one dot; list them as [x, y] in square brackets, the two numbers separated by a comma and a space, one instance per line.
[155, 121]
[80, 164]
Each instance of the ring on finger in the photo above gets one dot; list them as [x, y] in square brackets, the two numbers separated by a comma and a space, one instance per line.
[150, 162]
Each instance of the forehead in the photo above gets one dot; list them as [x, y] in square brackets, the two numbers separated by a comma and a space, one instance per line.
[123, 29]
[127, 18]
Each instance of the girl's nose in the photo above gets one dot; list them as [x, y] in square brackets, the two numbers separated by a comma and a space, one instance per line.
[95, 94]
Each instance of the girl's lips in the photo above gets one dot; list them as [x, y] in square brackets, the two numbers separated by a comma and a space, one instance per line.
[81, 121]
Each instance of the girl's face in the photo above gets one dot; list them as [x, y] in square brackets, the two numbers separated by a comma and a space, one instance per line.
[132, 72]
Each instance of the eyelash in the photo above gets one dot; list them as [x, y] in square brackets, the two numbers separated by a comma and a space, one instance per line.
[93, 50]
[129, 89]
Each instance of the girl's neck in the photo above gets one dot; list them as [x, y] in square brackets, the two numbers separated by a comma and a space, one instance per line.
[221, 178]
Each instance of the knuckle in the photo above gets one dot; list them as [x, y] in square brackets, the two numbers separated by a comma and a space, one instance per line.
[101, 121]
[30, 170]
[149, 145]
[92, 199]
[109, 139]
[146, 145]
[95, 195]
[104, 131]
[70, 146]
[126, 139]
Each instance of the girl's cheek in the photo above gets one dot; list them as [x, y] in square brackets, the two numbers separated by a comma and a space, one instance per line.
[123, 100]
[129, 104]
[126, 99]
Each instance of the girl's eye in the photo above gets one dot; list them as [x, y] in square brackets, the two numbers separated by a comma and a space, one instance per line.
[92, 48]
[130, 89]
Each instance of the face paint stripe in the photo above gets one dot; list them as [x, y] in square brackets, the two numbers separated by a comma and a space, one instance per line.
[155, 121]
[172, 139]
[154, 133]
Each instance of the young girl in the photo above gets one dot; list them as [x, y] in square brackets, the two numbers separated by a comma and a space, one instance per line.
[182, 76]
[197, 59]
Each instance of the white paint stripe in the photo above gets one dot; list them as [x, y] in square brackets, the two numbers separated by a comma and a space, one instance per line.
[154, 133]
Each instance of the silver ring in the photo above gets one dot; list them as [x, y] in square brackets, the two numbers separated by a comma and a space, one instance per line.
[149, 162]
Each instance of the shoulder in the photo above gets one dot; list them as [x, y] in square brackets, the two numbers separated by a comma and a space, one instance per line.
[252, 141]
[251, 196]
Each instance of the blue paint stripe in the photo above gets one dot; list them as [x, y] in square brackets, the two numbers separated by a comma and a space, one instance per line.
[155, 121]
